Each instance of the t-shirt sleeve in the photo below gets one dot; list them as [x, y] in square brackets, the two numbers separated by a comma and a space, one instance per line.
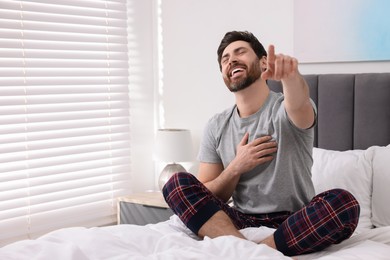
[315, 113]
[208, 145]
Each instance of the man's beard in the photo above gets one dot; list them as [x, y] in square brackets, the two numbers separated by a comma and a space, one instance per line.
[254, 74]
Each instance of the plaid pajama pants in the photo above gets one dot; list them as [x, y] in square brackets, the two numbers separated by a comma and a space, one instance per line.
[329, 218]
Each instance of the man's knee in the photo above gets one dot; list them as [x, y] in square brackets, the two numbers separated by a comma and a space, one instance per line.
[176, 181]
[330, 218]
[351, 208]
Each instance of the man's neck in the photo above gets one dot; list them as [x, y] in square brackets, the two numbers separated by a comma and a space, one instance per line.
[252, 98]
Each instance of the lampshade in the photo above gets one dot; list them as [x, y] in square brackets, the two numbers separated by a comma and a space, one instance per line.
[173, 145]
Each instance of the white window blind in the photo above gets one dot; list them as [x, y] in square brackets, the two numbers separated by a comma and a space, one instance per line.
[64, 115]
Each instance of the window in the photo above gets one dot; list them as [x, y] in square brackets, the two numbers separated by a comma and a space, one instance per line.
[64, 115]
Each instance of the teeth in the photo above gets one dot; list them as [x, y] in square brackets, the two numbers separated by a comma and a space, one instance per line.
[236, 70]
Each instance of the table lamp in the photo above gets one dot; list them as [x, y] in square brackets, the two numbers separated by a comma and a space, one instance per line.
[172, 146]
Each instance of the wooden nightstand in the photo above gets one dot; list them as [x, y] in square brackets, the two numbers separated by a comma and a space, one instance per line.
[143, 208]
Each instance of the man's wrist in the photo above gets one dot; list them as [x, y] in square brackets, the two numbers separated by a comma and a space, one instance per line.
[293, 79]
[232, 170]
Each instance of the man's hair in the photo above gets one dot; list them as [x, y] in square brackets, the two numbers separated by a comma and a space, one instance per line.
[240, 36]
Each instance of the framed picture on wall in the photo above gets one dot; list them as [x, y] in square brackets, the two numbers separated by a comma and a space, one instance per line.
[341, 30]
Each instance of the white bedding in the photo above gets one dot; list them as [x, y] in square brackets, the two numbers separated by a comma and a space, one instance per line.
[366, 174]
[172, 240]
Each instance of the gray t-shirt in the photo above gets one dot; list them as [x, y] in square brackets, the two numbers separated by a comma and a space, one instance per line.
[284, 184]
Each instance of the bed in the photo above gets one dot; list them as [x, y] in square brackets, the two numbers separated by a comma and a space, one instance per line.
[351, 151]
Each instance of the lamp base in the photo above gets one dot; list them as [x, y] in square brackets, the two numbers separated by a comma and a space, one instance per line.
[167, 173]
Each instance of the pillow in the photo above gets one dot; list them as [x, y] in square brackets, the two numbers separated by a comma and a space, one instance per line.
[348, 170]
[381, 184]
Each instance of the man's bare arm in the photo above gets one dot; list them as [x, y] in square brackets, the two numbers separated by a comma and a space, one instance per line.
[296, 91]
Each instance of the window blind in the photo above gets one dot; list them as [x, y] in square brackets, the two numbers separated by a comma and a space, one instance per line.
[64, 115]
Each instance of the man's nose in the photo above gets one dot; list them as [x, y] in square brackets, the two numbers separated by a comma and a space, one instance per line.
[233, 59]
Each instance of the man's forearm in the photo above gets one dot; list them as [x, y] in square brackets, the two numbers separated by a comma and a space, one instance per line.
[224, 185]
[297, 101]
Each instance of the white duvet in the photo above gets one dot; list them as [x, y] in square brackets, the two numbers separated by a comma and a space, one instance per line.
[172, 240]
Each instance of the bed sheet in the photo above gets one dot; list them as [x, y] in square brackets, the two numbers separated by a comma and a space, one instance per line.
[367, 244]
[172, 240]
[164, 240]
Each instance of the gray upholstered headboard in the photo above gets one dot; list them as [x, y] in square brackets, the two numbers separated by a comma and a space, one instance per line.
[353, 109]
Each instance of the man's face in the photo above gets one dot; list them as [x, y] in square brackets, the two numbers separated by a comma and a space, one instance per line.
[240, 66]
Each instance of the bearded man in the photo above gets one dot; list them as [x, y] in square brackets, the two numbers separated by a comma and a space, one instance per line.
[259, 153]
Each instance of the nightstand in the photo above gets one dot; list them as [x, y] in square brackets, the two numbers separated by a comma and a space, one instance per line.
[143, 208]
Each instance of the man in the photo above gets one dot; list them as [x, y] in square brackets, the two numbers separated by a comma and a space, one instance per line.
[259, 153]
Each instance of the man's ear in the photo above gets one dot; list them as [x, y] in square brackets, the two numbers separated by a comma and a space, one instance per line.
[263, 63]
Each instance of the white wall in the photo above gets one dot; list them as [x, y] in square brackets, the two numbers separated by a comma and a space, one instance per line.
[192, 30]
[142, 92]
[193, 89]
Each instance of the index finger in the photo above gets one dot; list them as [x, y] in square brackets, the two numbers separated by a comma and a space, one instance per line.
[271, 54]
[268, 73]
[261, 139]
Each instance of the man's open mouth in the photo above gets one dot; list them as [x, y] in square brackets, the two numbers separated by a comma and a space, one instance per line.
[236, 71]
